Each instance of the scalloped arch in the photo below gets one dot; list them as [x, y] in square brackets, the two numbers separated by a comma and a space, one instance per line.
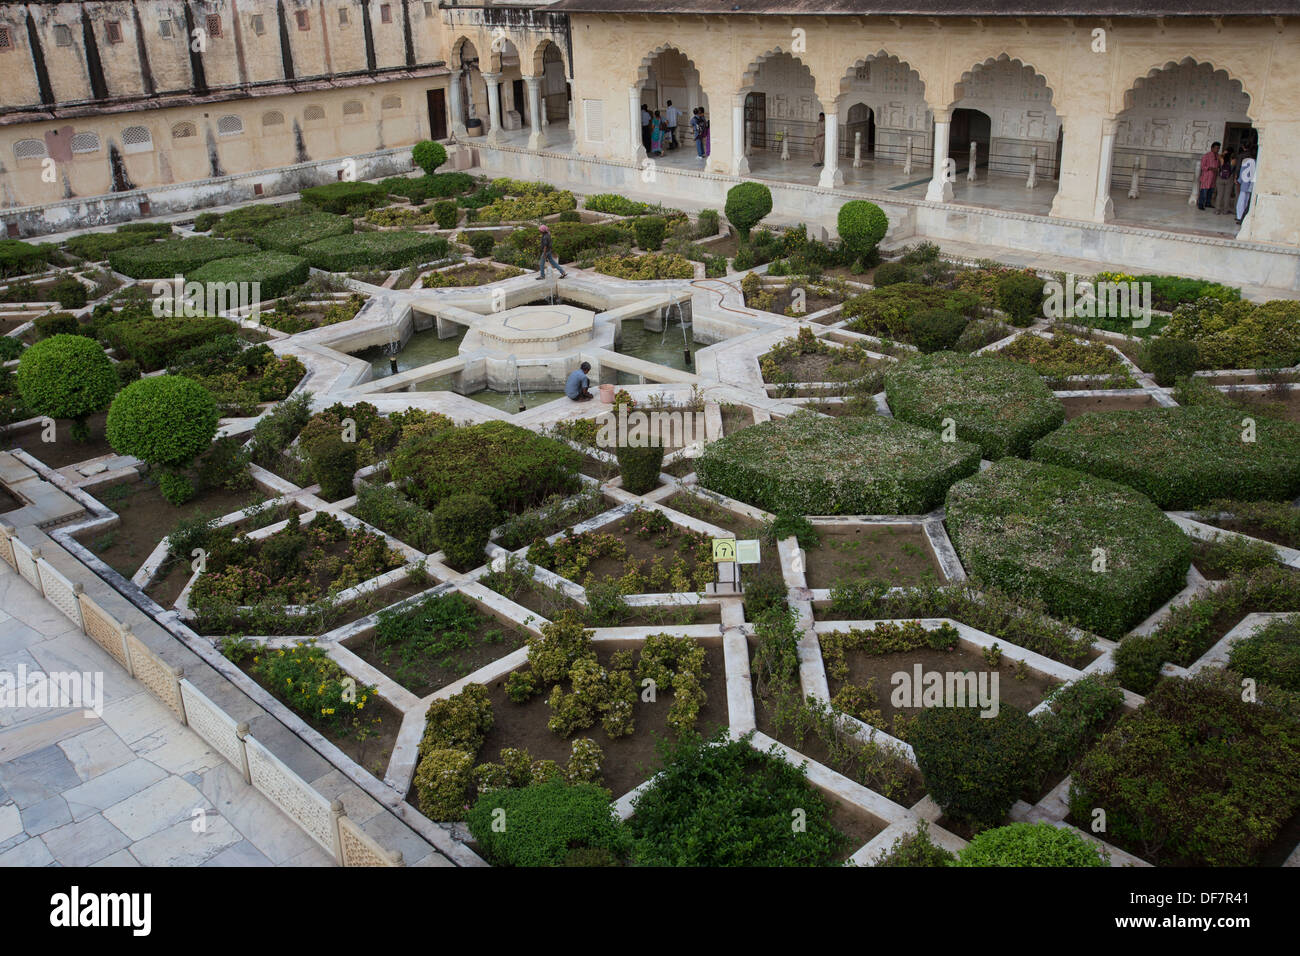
[643, 68]
[750, 76]
[881, 54]
[538, 56]
[1234, 83]
[1003, 57]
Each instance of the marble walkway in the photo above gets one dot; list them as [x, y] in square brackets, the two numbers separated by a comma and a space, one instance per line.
[121, 788]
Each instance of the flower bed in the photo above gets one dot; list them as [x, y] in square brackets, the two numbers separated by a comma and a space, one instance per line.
[465, 276]
[298, 316]
[900, 554]
[430, 644]
[240, 379]
[654, 265]
[806, 358]
[1276, 521]
[998, 405]
[1239, 334]
[1182, 457]
[888, 312]
[810, 464]
[1092, 550]
[1059, 357]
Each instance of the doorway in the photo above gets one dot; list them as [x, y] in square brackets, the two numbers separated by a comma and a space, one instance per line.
[437, 100]
[756, 119]
[862, 119]
[969, 126]
[520, 100]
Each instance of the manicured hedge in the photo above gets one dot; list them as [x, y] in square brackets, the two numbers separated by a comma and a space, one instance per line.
[20, 258]
[816, 465]
[290, 235]
[999, 405]
[154, 341]
[1239, 334]
[95, 246]
[342, 197]
[615, 204]
[245, 223]
[1194, 777]
[1029, 844]
[1034, 530]
[374, 250]
[173, 257]
[1181, 457]
[1271, 654]
[277, 272]
[886, 312]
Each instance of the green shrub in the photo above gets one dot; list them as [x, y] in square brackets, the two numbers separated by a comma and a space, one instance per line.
[888, 312]
[1077, 712]
[428, 155]
[57, 323]
[291, 234]
[333, 464]
[814, 465]
[640, 467]
[460, 722]
[1195, 776]
[512, 467]
[570, 215]
[165, 420]
[723, 803]
[891, 273]
[747, 204]
[652, 265]
[442, 783]
[341, 197]
[974, 766]
[69, 293]
[999, 405]
[66, 376]
[935, 330]
[155, 341]
[1171, 359]
[245, 223]
[275, 272]
[1150, 449]
[1091, 550]
[481, 243]
[95, 246]
[173, 257]
[10, 348]
[1271, 654]
[649, 233]
[1029, 844]
[545, 823]
[387, 509]
[20, 258]
[446, 213]
[861, 226]
[616, 205]
[462, 525]
[707, 224]
[419, 188]
[916, 849]
[204, 221]
[744, 259]
[1020, 296]
[375, 250]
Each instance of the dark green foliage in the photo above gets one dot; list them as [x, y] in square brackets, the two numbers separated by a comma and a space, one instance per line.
[616, 205]
[204, 221]
[292, 233]
[277, 429]
[128, 371]
[419, 188]
[333, 463]
[173, 257]
[395, 249]
[57, 323]
[20, 258]
[723, 803]
[275, 272]
[1171, 359]
[246, 222]
[429, 155]
[640, 467]
[481, 243]
[975, 766]
[66, 376]
[1036, 531]
[1029, 844]
[649, 232]
[545, 823]
[916, 849]
[10, 348]
[154, 341]
[1271, 654]
[512, 467]
[861, 226]
[69, 293]
[890, 273]
[747, 204]
[1020, 296]
[887, 312]
[446, 213]
[570, 215]
[462, 525]
[1194, 777]
[164, 420]
[388, 510]
[935, 330]
[342, 197]
[1182, 457]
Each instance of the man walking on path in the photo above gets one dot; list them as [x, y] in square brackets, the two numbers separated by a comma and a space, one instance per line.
[548, 254]
[1209, 172]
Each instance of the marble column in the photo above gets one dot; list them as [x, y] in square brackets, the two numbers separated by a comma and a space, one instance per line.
[1104, 209]
[634, 123]
[494, 105]
[455, 105]
[831, 174]
[536, 134]
[573, 111]
[739, 164]
[940, 188]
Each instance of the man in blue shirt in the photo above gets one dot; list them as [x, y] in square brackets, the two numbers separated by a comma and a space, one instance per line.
[577, 386]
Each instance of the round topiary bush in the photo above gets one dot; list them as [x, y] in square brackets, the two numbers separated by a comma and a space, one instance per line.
[976, 766]
[1020, 296]
[747, 204]
[1029, 844]
[861, 226]
[545, 822]
[1002, 406]
[640, 467]
[1096, 552]
[811, 464]
[649, 232]
[429, 155]
[66, 376]
[1171, 359]
[934, 330]
[165, 420]
[462, 525]
[1182, 457]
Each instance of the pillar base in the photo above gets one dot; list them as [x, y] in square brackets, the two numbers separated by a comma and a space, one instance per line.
[537, 139]
[742, 167]
[940, 190]
[831, 177]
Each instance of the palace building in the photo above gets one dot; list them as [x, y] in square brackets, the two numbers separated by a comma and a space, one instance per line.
[1070, 129]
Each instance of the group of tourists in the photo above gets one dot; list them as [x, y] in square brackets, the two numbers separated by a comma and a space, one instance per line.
[1224, 177]
[659, 129]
